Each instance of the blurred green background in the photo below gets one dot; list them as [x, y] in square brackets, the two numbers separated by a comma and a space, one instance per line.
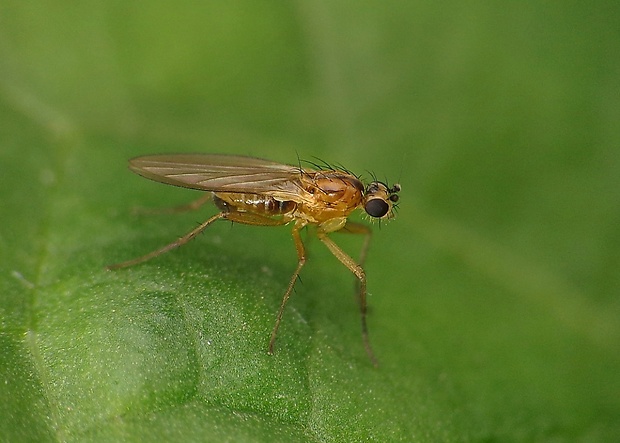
[493, 294]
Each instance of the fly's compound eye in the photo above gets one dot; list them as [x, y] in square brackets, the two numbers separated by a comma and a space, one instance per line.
[376, 207]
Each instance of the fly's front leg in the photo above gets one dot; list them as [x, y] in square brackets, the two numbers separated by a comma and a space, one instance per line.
[359, 228]
[356, 269]
[175, 244]
[301, 260]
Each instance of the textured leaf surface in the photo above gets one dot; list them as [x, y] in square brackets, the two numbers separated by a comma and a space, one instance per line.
[494, 293]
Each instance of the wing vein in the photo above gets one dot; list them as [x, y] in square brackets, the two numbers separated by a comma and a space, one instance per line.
[223, 173]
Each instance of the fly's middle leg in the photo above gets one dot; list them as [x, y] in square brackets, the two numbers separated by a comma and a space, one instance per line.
[301, 260]
[259, 220]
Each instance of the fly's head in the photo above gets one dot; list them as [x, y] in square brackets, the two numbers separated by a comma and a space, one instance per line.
[379, 200]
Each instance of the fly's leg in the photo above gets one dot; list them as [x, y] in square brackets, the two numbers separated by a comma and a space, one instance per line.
[191, 206]
[301, 260]
[175, 244]
[356, 269]
[247, 218]
[237, 217]
[358, 228]
[258, 220]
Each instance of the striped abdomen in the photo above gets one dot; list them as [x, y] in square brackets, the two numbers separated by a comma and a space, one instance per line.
[254, 203]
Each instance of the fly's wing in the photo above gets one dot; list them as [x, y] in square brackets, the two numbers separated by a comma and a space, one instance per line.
[222, 173]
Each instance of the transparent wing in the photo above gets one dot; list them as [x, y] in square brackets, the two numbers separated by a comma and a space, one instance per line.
[222, 173]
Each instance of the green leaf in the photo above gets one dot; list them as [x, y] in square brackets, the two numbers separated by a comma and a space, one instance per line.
[493, 294]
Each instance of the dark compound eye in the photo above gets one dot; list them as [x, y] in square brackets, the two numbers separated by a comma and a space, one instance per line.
[376, 207]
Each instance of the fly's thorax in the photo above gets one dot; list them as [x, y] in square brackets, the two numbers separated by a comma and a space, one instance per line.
[254, 203]
[332, 194]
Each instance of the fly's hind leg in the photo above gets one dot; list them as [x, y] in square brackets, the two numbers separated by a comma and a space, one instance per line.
[175, 244]
[234, 216]
[356, 269]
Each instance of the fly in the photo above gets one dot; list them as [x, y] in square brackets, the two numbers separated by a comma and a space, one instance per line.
[259, 192]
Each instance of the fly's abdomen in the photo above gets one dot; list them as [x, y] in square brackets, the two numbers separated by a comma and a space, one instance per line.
[254, 203]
